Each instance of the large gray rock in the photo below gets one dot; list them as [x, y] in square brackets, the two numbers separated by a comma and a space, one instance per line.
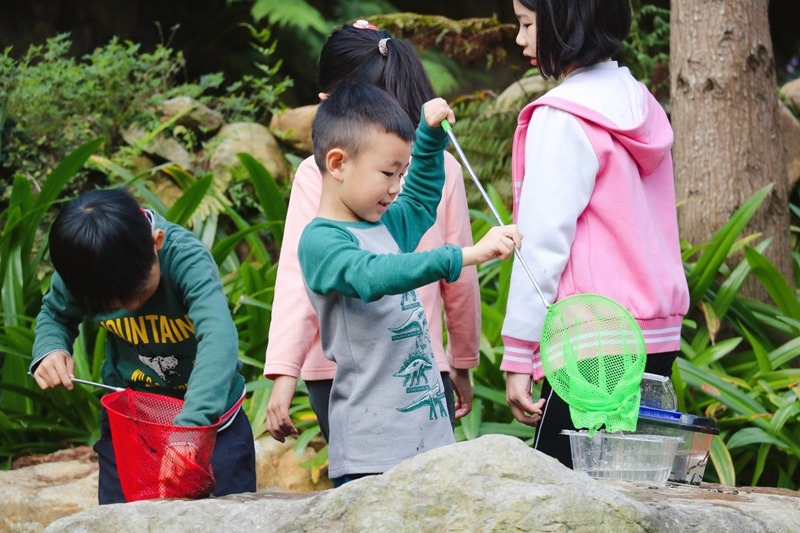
[166, 148]
[494, 483]
[45, 488]
[790, 131]
[521, 92]
[37, 495]
[792, 92]
[251, 138]
[295, 127]
[192, 113]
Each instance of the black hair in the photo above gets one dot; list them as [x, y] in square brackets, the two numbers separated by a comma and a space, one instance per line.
[351, 114]
[577, 33]
[352, 55]
[101, 245]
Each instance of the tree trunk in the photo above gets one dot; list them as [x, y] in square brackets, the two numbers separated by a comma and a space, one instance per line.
[724, 111]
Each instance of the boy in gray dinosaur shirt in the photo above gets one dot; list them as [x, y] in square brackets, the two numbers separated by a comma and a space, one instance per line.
[387, 402]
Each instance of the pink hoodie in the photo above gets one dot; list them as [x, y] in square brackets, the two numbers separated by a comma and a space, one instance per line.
[294, 342]
[599, 215]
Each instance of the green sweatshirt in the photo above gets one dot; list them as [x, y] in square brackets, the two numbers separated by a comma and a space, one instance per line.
[182, 342]
[387, 403]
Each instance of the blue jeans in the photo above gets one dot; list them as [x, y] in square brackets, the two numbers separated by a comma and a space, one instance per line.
[233, 461]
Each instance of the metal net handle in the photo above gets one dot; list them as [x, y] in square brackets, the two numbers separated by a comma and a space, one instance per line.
[446, 127]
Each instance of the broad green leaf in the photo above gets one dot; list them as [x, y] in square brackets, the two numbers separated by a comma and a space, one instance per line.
[702, 275]
[784, 353]
[723, 464]
[712, 320]
[751, 435]
[730, 288]
[258, 248]
[777, 287]
[227, 245]
[513, 429]
[268, 193]
[61, 175]
[715, 352]
[715, 387]
[495, 396]
[761, 353]
[784, 414]
[471, 424]
[256, 407]
[181, 212]
[761, 459]
[304, 438]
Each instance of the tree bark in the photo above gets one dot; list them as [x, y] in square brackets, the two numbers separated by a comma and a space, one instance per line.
[724, 111]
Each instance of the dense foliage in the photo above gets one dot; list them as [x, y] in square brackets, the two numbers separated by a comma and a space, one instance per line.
[59, 119]
[51, 103]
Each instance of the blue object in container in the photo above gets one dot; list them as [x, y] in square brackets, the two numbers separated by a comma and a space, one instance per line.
[697, 432]
[660, 414]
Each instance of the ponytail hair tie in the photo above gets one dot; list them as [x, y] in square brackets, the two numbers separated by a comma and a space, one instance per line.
[382, 46]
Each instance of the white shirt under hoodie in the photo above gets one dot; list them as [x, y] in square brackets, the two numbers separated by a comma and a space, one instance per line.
[595, 201]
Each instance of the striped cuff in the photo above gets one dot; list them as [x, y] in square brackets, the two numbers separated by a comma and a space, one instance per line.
[522, 357]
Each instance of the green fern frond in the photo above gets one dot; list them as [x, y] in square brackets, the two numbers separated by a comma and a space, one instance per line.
[441, 75]
[362, 9]
[468, 41]
[297, 15]
[485, 134]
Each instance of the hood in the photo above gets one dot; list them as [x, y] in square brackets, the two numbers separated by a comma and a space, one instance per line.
[607, 95]
[647, 141]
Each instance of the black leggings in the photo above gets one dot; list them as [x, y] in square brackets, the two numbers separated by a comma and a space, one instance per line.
[556, 417]
[319, 394]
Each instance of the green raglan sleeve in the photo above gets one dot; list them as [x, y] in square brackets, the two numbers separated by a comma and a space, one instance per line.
[215, 382]
[331, 260]
[414, 210]
[57, 323]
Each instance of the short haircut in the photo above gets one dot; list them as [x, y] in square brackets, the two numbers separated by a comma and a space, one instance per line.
[351, 115]
[101, 245]
[577, 32]
[351, 55]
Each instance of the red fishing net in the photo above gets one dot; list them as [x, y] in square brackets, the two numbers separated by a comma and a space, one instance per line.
[156, 459]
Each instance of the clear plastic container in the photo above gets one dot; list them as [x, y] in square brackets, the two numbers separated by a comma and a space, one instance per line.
[657, 392]
[697, 432]
[629, 456]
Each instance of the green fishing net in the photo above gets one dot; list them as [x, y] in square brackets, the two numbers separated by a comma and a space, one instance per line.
[593, 354]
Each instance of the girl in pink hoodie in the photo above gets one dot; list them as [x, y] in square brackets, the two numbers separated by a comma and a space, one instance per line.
[360, 53]
[594, 198]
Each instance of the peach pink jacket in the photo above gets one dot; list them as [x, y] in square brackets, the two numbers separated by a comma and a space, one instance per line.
[294, 347]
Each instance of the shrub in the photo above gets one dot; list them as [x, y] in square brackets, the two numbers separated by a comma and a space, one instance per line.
[51, 103]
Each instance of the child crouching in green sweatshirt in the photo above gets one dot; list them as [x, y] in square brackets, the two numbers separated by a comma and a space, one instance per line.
[154, 287]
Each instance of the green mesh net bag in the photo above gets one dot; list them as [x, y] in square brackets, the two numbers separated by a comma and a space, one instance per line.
[592, 349]
[593, 354]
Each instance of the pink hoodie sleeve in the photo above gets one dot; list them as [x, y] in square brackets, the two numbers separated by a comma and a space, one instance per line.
[462, 301]
[294, 327]
[522, 357]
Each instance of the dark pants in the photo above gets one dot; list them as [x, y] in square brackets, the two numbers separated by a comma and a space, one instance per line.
[556, 417]
[233, 461]
[319, 395]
